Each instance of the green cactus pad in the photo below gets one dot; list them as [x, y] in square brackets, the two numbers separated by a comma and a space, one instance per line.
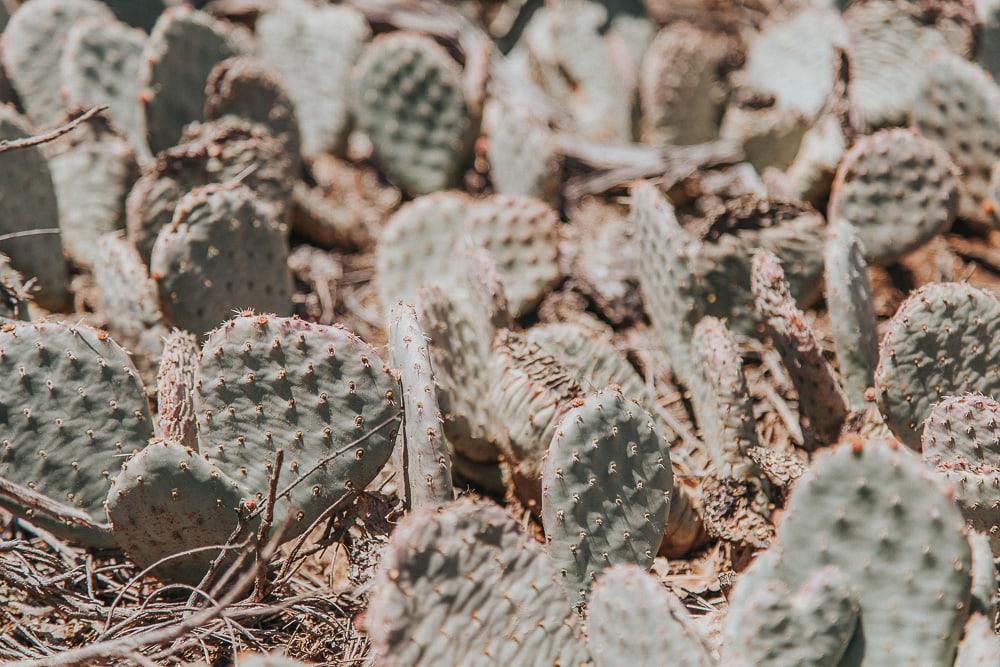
[100, 65]
[244, 87]
[794, 59]
[959, 108]
[168, 499]
[770, 136]
[939, 343]
[470, 574]
[127, 300]
[985, 583]
[821, 403]
[873, 510]
[72, 406]
[29, 203]
[175, 389]
[680, 90]
[721, 401]
[313, 49]
[531, 392]
[32, 47]
[606, 489]
[897, 189]
[182, 49]
[318, 392]
[420, 241]
[980, 645]
[684, 279]
[852, 315]
[407, 97]
[633, 620]
[811, 628]
[213, 152]
[521, 150]
[224, 249]
[93, 169]
[425, 467]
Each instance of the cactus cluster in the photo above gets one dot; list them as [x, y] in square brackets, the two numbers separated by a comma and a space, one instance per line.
[569, 333]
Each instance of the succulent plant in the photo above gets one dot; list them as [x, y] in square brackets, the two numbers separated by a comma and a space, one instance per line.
[183, 47]
[224, 247]
[407, 96]
[938, 344]
[632, 619]
[852, 315]
[419, 243]
[73, 407]
[771, 136]
[521, 151]
[175, 389]
[32, 48]
[214, 152]
[313, 49]
[897, 189]
[985, 584]
[424, 465]
[821, 402]
[100, 65]
[470, 560]
[980, 645]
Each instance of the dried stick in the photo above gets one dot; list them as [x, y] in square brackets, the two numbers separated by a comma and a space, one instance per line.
[260, 587]
[29, 498]
[51, 135]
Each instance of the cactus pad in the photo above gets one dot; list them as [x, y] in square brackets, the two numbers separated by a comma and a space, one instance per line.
[313, 49]
[939, 343]
[606, 490]
[223, 249]
[318, 392]
[408, 99]
[73, 405]
[169, 499]
[852, 315]
[521, 151]
[32, 47]
[897, 189]
[980, 645]
[872, 510]
[959, 108]
[425, 472]
[182, 50]
[657, 624]
[471, 560]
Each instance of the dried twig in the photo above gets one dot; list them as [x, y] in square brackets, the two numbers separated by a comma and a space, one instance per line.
[29, 498]
[51, 135]
[260, 587]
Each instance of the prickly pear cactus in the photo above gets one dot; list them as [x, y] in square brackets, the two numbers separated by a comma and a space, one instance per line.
[938, 344]
[821, 402]
[167, 484]
[182, 49]
[812, 627]
[32, 47]
[175, 389]
[897, 189]
[793, 59]
[313, 49]
[852, 315]
[606, 489]
[318, 392]
[959, 108]
[961, 438]
[72, 406]
[721, 401]
[223, 248]
[93, 169]
[213, 152]
[531, 392]
[420, 241]
[985, 584]
[424, 462]
[100, 65]
[244, 87]
[626, 597]
[684, 278]
[771, 136]
[408, 98]
[872, 510]
[521, 151]
[680, 90]
[470, 560]
[980, 645]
